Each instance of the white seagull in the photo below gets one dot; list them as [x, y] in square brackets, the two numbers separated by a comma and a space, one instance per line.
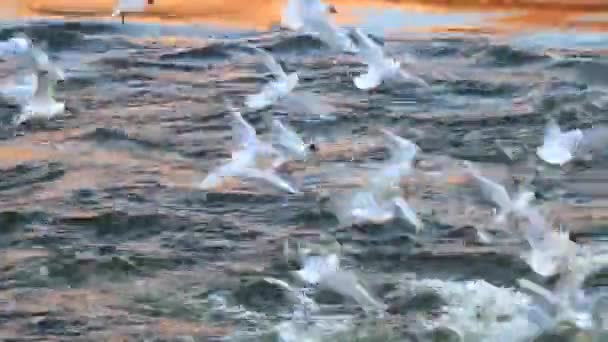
[275, 90]
[296, 12]
[281, 90]
[37, 98]
[559, 147]
[379, 67]
[498, 196]
[550, 251]
[247, 158]
[380, 200]
[42, 104]
[312, 17]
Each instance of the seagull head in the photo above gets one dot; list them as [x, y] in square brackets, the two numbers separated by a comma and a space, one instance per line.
[332, 9]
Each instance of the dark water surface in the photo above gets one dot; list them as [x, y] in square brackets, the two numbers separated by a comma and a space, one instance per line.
[104, 234]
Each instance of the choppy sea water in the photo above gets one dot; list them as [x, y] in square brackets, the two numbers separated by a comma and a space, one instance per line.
[105, 235]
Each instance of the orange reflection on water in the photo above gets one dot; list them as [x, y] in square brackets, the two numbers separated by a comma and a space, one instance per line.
[262, 14]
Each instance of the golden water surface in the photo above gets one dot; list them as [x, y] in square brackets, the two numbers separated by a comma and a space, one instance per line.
[260, 14]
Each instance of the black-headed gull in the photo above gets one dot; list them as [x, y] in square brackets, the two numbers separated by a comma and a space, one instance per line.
[559, 147]
[288, 142]
[42, 105]
[312, 17]
[379, 67]
[498, 196]
[281, 90]
[245, 162]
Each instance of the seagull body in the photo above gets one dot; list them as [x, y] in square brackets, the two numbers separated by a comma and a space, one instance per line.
[288, 142]
[379, 67]
[246, 158]
[559, 147]
[36, 95]
[281, 90]
[42, 104]
[550, 251]
[315, 267]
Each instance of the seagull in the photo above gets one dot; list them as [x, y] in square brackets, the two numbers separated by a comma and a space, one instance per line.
[281, 90]
[42, 104]
[559, 147]
[296, 12]
[311, 17]
[246, 159]
[274, 90]
[368, 207]
[568, 301]
[498, 196]
[379, 67]
[324, 271]
[380, 200]
[402, 156]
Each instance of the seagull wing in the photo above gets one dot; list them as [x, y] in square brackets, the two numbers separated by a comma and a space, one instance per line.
[288, 140]
[292, 15]
[365, 208]
[323, 29]
[44, 87]
[265, 98]
[401, 149]
[407, 212]
[268, 176]
[347, 284]
[243, 134]
[369, 80]
[316, 267]
[368, 49]
[271, 63]
[490, 190]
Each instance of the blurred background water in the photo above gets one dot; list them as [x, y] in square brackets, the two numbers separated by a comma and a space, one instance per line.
[104, 234]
